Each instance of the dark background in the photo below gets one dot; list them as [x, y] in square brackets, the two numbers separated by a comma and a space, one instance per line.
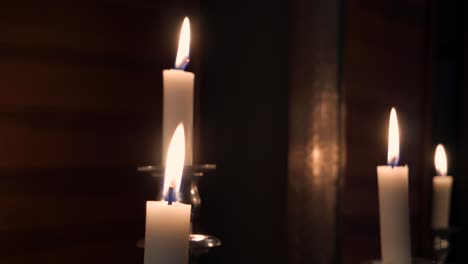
[387, 63]
[80, 108]
[449, 107]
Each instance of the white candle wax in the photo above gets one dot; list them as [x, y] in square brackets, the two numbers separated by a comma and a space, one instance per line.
[395, 239]
[167, 233]
[168, 223]
[442, 189]
[178, 108]
[394, 214]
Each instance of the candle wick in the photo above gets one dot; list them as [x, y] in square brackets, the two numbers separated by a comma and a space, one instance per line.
[183, 65]
[170, 198]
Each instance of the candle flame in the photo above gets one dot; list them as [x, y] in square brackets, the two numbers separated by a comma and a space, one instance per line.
[440, 160]
[393, 140]
[183, 52]
[175, 161]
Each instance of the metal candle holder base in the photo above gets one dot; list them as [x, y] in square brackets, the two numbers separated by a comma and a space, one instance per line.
[442, 244]
[199, 243]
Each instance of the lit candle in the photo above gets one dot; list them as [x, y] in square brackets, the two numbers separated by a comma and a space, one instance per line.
[442, 189]
[393, 203]
[178, 96]
[168, 222]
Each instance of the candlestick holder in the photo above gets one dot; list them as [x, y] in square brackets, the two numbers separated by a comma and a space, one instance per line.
[189, 194]
[442, 244]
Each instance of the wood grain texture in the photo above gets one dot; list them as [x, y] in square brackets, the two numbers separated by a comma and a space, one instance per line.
[80, 109]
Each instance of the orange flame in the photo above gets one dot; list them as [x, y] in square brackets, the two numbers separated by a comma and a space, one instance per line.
[175, 161]
[183, 52]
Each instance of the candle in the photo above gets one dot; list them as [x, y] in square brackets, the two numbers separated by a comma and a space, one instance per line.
[393, 203]
[178, 96]
[168, 222]
[442, 189]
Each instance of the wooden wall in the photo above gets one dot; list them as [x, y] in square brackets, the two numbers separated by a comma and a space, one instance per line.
[80, 108]
[387, 64]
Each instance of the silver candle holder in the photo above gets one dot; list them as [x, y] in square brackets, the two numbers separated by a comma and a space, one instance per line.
[189, 194]
[441, 248]
[442, 244]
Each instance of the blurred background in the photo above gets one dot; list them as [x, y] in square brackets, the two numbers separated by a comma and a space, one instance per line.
[292, 104]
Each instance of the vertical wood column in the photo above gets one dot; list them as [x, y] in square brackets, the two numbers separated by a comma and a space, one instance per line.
[315, 132]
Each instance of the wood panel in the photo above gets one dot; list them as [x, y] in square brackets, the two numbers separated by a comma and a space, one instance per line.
[49, 212]
[66, 139]
[74, 87]
[81, 108]
[128, 29]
